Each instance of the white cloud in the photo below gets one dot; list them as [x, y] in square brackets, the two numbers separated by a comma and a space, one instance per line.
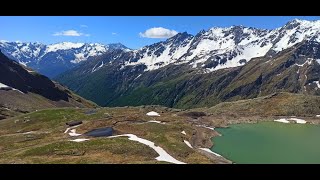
[158, 32]
[83, 26]
[114, 33]
[70, 33]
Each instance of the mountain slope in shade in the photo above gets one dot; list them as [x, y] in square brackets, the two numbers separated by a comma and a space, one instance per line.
[23, 90]
[54, 59]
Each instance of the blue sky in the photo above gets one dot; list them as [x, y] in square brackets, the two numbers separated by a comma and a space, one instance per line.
[128, 30]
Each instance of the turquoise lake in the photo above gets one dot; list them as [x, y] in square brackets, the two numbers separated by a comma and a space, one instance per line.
[269, 142]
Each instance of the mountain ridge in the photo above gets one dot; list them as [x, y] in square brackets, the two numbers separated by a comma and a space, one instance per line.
[204, 69]
[209, 50]
[23, 90]
[125, 81]
[56, 58]
[218, 48]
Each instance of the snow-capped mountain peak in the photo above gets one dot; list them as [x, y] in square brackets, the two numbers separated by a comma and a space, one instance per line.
[54, 58]
[63, 46]
[225, 47]
[208, 50]
[118, 46]
[162, 53]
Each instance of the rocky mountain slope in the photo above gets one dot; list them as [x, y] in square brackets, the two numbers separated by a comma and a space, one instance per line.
[219, 48]
[276, 104]
[23, 90]
[54, 59]
[221, 64]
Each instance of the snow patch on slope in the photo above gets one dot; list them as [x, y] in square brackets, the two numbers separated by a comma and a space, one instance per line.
[152, 113]
[287, 120]
[163, 155]
[187, 143]
[63, 46]
[247, 53]
[317, 83]
[73, 133]
[211, 128]
[79, 140]
[209, 151]
[8, 87]
[158, 122]
[95, 68]
[3, 85]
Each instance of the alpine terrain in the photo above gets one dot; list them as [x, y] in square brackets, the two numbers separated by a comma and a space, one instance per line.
[22, 90]
[53, 59]
[220, 64]
[224, 95]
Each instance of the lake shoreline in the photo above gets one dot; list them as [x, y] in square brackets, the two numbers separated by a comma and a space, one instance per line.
[231, 123]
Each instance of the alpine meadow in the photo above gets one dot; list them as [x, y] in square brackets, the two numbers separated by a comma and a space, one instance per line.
[155, 93]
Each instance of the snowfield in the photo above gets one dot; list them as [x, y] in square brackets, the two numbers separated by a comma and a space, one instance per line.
[5, 86]
[71, 128]
[79, 140]
[152, 113]
[73, 133]
[209, 151]
[159, 122]
[187, 143]
[284, 120]
[211, 128]
[163, 155]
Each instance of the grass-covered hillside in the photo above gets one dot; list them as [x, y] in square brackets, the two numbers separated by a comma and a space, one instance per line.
[40, 137]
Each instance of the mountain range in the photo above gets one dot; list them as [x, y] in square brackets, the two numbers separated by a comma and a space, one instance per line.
[54, 59]
[220, 64]
[166, 102]
[185, 71]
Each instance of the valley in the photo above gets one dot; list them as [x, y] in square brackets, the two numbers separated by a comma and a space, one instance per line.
[185, 135]
[28, 138]
[126, 78]
[224, 95]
